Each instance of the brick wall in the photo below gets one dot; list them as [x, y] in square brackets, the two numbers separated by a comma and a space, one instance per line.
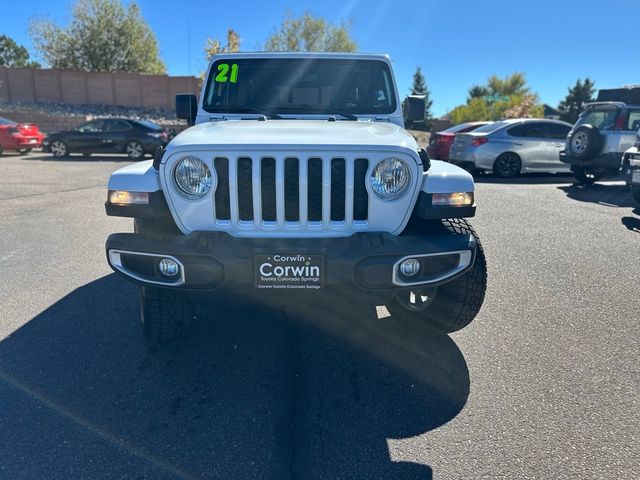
[93, 88]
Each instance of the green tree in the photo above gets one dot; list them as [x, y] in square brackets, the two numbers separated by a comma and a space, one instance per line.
[477, 91]
[214, 46]
[310, 34]
[14, 55]
[577, 96]
[419, 87]
[508, 97]
[514, 84]
[103, 36]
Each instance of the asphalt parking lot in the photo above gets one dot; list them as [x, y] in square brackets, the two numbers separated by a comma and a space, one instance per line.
[544, 383]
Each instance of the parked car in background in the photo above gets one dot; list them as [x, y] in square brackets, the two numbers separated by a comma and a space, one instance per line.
[631, 168]
[603, 132]
[511, 147]
[110, 135]
[440, 142]
[21, 137]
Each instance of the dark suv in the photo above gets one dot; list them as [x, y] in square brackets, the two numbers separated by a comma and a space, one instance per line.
[603, 132]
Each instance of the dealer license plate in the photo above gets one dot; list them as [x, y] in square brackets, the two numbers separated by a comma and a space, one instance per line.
[289, 271]
[32, 140]
[635, 175]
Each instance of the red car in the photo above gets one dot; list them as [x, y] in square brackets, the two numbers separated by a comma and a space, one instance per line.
[440, 142]
[19, 136]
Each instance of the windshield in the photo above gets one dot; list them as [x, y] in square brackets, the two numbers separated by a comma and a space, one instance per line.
[463, 127]
[600, 118]
[490, 127]
[6, 121]
[149, 124]
[300, 85]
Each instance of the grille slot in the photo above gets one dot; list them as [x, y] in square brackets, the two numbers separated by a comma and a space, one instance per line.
[338, 189]
[314, 190]
[268, 189]
[222, 197]
[360, 196]
[245, 189]
[291, 190]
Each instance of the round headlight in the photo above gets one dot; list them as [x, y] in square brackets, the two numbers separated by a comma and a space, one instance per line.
[390, 178]
[193, 176]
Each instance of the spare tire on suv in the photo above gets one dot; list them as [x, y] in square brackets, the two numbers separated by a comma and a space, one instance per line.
[586, 142]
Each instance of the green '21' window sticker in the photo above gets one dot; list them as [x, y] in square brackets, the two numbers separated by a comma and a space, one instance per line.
[223, 73]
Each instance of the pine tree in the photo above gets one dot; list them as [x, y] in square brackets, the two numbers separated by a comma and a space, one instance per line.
[419, 87]
[578, 95]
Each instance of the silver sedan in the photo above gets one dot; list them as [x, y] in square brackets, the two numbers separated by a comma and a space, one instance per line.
[511, 147]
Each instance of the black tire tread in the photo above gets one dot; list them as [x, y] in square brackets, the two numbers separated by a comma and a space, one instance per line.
[458, 302]
[164, 315]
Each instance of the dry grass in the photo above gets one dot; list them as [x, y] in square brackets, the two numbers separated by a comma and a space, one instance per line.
[421, 137]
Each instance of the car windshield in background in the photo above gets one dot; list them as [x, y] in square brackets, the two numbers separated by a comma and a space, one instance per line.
[298, 85]
[491, 127]
[149, 124]
[601, 118]
[6, 121]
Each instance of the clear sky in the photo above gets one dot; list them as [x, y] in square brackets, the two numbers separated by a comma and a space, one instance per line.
[457, 43]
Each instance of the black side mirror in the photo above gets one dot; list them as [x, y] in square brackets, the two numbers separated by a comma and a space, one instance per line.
[186, 107]
[414, 107]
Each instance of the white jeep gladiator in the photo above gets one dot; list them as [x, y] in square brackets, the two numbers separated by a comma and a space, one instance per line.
[297, 176]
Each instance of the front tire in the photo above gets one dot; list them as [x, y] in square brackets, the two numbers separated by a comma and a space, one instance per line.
[59, 149]
[507, 165]
[453, 305]
[165, 315]
[635, 193]
[134, 150]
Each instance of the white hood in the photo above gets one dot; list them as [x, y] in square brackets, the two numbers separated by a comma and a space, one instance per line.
[295, 132]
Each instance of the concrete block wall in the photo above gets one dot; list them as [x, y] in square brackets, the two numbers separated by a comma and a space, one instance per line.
[93, 88]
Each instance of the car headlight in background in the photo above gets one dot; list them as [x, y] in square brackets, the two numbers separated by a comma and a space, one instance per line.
[193, 177]
[456, 199]
[390, 178]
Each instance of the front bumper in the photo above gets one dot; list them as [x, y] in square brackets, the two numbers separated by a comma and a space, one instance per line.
[610, 161]
[368, 261]
[631, 167]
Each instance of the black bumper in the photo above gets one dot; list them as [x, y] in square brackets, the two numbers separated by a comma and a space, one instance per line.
[610, 161]
[631, 163]
[367, 261]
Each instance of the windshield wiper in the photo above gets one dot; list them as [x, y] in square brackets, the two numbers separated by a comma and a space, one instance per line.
[264, 113]
[346, 115]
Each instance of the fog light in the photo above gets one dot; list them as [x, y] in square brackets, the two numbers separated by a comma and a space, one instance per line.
[409, 267]
[168, 267]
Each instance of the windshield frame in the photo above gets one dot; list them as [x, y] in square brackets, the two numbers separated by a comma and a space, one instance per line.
[298, 111]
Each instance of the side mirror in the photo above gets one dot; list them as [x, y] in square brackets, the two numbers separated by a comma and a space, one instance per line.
[414, 107]
[186, 107]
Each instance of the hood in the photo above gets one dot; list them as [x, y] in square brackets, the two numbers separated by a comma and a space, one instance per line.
[295, 132]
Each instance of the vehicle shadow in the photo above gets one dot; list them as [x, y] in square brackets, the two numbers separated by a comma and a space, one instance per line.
[311, 390]
[526, 179]
[632, 223]
[607, 195]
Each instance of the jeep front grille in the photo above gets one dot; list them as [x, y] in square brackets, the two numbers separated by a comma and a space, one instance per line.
[291, 192]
